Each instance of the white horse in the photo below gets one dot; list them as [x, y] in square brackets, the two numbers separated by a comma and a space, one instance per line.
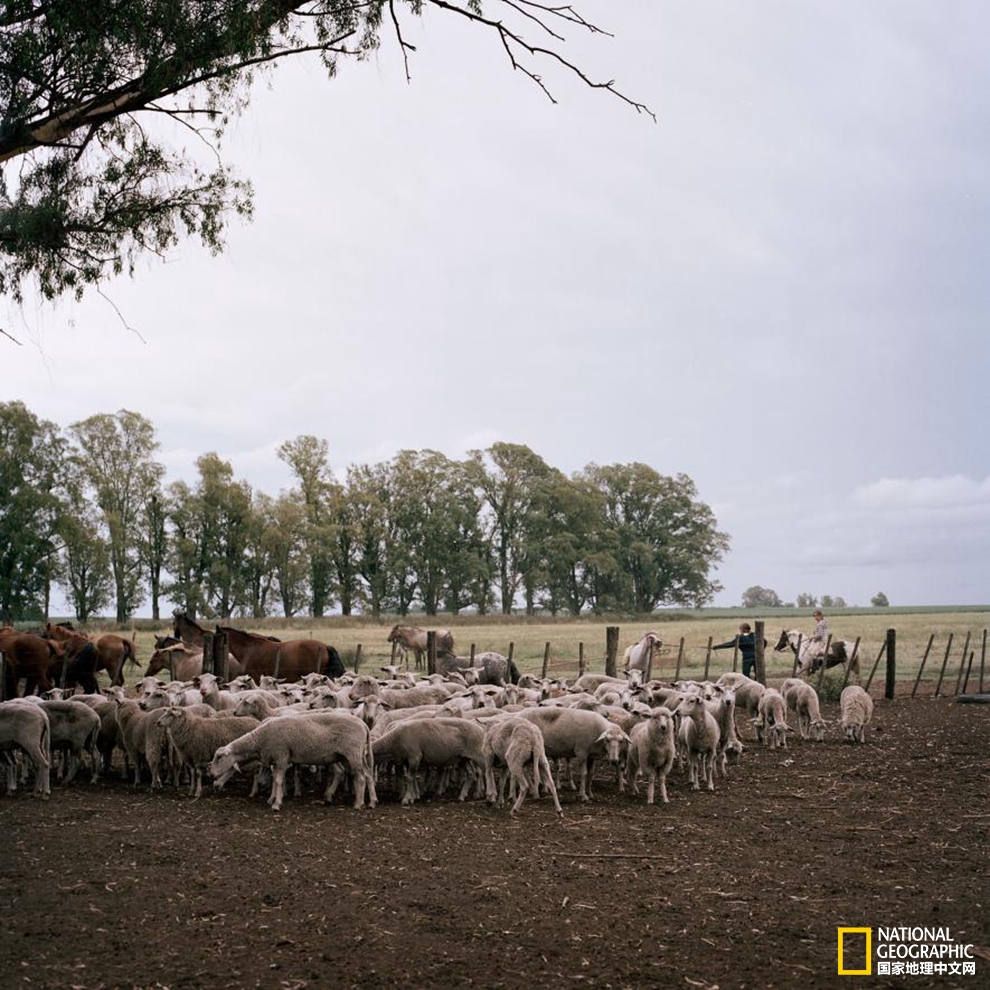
[637, 656]
[809, 659]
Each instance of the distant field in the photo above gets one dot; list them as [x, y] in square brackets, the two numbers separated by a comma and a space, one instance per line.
[529, 635]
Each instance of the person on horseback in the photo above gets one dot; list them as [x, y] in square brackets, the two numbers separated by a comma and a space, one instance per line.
[747, 648]
[817, 640]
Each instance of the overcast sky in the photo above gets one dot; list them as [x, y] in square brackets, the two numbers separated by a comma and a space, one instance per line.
[781, 288]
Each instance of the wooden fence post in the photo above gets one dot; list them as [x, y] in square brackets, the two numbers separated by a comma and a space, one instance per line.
[220, 655]
[876, 663]
[735, 653]
[472, 654]
[945, 660]
[680, 657]
[3, 676]
[278, 660]
[891, 681]
[962, 663]
[821, 673]
[649, 659]
[969, 667]
[797, 654]
[921, 669]
[849, 664]
[761, 657]
[357, 658]
[708, 658]
[546, 660]
[431, 652]
[65, 669]
[983, 659]
[581, 659]
[395, 646]
[207, 653]
[512, 650]
[611, 649]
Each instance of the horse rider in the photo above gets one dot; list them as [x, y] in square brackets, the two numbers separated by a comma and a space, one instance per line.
[817, 640]
[746, 640]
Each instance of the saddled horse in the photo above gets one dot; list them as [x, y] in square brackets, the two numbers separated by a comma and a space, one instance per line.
[637, 656]
[809, 660]
[296, 657]
[414, 638]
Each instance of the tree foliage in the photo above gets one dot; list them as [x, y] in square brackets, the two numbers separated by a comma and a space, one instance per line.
[880, 600]
[760, 597]
[83, 84]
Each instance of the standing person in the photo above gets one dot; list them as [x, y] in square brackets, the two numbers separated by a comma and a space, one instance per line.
[746, 640]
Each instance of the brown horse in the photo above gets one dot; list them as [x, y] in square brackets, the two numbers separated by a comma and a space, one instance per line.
[28, 656]
[296, 658]
[184, 663]
[111, 651]
[187, 630]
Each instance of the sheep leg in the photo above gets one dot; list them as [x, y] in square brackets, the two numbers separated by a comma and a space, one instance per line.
[663, 788]
[490, 779]
[710, 766]
[297, 790]
[71, 768]
[468, 781]
[544, 768]
[584, 780]
[336, 775]
[693, 771]
[278, 787]
[409, 784]
[651, 783]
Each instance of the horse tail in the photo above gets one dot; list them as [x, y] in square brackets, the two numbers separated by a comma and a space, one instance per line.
[130, 650]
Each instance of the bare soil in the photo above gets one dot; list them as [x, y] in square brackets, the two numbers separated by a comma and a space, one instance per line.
[105, 886]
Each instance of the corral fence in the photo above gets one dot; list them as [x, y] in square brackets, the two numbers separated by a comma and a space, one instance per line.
[669, 661]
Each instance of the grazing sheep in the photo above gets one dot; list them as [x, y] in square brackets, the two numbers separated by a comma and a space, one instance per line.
[438, 742]
[699, 735]
[651, 750]
[24, 728]
[771, 719]
[802, 699]
[516, 743]
[857, 711]
[196, 739]
[323, 739]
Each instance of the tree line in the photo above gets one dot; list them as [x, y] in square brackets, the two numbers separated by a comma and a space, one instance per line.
[87, 509]
[757, 596]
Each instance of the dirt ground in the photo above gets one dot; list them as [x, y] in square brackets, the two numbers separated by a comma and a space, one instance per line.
[104, 886]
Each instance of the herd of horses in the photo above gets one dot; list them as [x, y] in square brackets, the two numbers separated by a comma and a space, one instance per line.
[46, 657]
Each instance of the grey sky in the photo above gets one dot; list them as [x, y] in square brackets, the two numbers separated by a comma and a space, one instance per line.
[780, 289]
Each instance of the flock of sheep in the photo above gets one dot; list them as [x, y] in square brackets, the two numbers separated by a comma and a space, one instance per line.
[416, 734]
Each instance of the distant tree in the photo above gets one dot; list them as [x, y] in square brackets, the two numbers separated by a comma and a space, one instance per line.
[285, 537]
[369, 488]
[667, 539]
[31, 458]
[804, 600]
[760, 597]
[115, 452]
[880, 600]
[84, 566]
[827, 601]
[838, 602]
[153, 544]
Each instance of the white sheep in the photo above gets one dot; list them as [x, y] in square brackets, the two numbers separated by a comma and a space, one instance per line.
[699, 734]
[651, 750]
[196, 739]
[516, 743]
[857, 711]
[771, 719]
[802, 699]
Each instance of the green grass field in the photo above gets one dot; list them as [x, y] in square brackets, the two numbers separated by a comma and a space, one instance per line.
[529, 635]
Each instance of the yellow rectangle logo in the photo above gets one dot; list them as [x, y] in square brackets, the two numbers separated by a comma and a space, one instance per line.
[868, 971]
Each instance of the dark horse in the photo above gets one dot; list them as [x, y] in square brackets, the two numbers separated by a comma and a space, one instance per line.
[296, 658]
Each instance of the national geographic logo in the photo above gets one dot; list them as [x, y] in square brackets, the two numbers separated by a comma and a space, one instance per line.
[904, 951]
[867, 969]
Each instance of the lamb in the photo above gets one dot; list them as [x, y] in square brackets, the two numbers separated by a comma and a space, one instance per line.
[133, 724]
[76, 728]
[748, 694]
[24, 727]
[438, 742]
[802, 698]
[570, 733]
[516, 743]
[209, 688]
[323, 739]
[651, 749]
[699, 734]
[857, 711]
[196, 739]
[771, 719]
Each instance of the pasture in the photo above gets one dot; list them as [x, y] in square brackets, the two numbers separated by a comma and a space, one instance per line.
[530, 636]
